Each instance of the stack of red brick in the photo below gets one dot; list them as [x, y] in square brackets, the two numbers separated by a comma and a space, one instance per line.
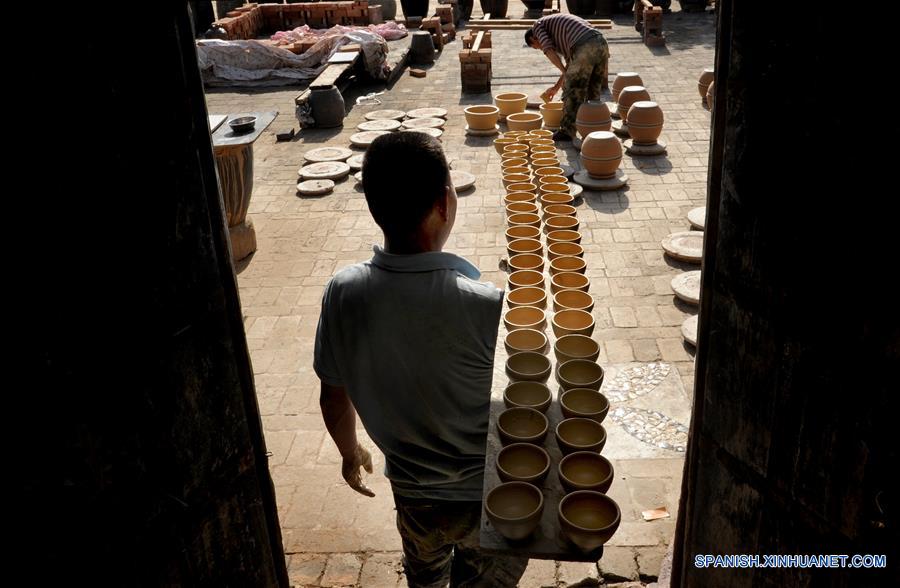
[475, 62]
[648, 20]
[252, 19]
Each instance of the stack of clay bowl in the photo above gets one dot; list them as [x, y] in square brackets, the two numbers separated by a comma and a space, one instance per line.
[552, 113]
[628, 96]
[623, 79]
[511, 103]
[645, 122]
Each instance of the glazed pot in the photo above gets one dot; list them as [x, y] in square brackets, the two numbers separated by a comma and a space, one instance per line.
[584, 403]
[569, 347]
[552, 113]
[511, 103]
[630, 95]
[580, 435]
[592, 115]
[601, 154]
[585, 470]
[534, 395]
[579, 373]
[525, 340]
[522, 425]
[573, 322]
[524, 121]
[327, 105]
[481, 118]
[514, 509]
[527, 296]
[625, 78]
[588, 519]
[523, 279]
[706, 78]
[645, 122]
[523, 462]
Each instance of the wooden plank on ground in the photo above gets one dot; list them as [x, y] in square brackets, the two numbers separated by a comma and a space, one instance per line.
[477, 45]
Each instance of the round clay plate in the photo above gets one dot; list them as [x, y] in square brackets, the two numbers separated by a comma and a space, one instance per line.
[385, 124]
[685, 245]
[697, 217]
[434, 112]
[385, 114]
[575, 190]
[315, 187]
[358, 176]
[326, 170]
[424, 123]
[689, 330]
[436, 133]
[365, 138]
[687, 286]
[356, 161]
[327, 154]
[462, 180]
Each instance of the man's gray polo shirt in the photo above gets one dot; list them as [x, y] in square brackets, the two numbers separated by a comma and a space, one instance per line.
[411, 338]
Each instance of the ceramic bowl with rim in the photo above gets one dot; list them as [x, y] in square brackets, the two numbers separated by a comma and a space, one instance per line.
[584, 403]
[579, 373]
[534, 395]
[585, 470]
[523, 462]
[522, 425]
[589, 519]
[514, 509]
[576, 434]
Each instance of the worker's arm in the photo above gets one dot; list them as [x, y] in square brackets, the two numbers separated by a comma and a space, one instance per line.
[340, 420]
[553, 56]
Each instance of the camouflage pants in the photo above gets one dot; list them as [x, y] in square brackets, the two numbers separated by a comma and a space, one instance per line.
[584, 79]
[440, 544]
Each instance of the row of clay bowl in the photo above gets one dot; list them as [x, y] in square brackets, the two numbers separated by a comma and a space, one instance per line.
[510, 107]
[586, 515]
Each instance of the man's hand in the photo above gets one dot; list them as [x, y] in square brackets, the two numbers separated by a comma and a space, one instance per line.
[361, 458]
[549, 93]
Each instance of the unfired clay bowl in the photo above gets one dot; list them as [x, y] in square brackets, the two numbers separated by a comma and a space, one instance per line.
[528, 366]
[584, 403]
[523, 462]
[566, 263]
[572, 322]
[527, 261]
[585, 470]
[569, 281]
[578, 434]
[569, 347]
[522, 425]
[573, 300]
[527, 296]
[525, 317]
[579, 373]
[564, 249]
[534, 395]
[522, 232]
[514, 509]
[589, 519]
[523, 278]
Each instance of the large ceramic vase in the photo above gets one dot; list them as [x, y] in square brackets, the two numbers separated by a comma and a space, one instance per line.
[628, 96]
[706, 78]
[645, 122]
[496, 8]
[414, 8]
[592, 115]
[327, 106]
[388, 9]
[625, 78]
[601, 154]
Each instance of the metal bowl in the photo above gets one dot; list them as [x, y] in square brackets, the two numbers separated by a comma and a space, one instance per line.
[242, 124]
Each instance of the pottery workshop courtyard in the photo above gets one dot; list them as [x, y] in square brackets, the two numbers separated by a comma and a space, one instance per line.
[336, 537]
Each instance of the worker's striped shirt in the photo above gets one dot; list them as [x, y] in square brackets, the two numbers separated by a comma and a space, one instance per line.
[561, 32]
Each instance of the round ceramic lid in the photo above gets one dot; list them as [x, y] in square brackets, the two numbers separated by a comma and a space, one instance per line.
[689, 330]
[326, 170]
[315, 187]
[685, 245]
[462, 180]
[365, 138]
[356, 161]
[384, 124]
[687, 286]
[697, 217]
[431, 112]
[424, 123]
[385, 114]
[327, 154]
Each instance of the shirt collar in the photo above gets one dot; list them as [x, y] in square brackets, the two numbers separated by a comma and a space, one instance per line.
[423, 262]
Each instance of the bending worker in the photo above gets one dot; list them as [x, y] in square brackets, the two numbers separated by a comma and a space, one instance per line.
[586, 57]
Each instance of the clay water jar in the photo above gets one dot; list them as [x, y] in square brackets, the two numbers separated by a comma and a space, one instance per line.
[711, 95]
[569, 281]
[573, 322]
[623, 79]
[552, 113]
[562, 249]
[630, 95]
[527, 296]
[572, 299]
[524, 218]
[588, 519]
[522, 232]
[541, 133]
[569, 347]
[481, 118]
[511, 103]
[524, 246]
[601, 154]
[558, 210]
[521, 187]
[528, 366]
[519, 197]
[524, 121]
[512, 161]
[502, 142]
[592, 115]
[580, 435]
[527, 261]
[706, 78]
[523, 279]
[514, 509]
[567, 263]
[556, 198]
[549, 171]
[513, 178]
[534, 395]
[522, 425]
[525, 340]
[560, 223]
[585, 470]
[579, 373]
[564, 236]
[645, 122]
[584, 403]
[523, 462]
[525, 317]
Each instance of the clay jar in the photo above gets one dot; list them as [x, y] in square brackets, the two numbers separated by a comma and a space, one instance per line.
[630, 95]
[706, 78]
[511, 103]
[623, 79]
[552, 113]
[592, 115]
[601, 154]
[645, 122]
[481, 118]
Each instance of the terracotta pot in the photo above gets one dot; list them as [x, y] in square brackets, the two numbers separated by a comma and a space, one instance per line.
[645, 122]
[572, 322]
[566, 264]
[580, 435]
[523, 462]
[554, 189]
[584, 403]
[527, 261]
[481, 118]
[510, 150]
[557, 236]
[538, 141]
[519, 197]
[524, 218]
[533, 395]
[585, 470]
[572, 299]
[524, 170]
[623, 79]
[525, 317]
[578, 373]
[548, 198]
[560, 223]
[542, 133]
[511, 103]
[510, 160]
[706, 78]
[549, 171]
[542, 151]
[562, 249]
[544, 162]
[589, 519]
[522, 425]
[711, 95]
[525, 340]
[569, 347]
[592, 115]
[528, 296]
[502, 142]
[541, 180]
[522, 187]
[514, 178]
[528, 366]
[523, 279]
[552, 113]
[557, 210]
[569, 281]
[519, 246]
[601, 154]
[524, 121]
[630, 95]
[514, 509]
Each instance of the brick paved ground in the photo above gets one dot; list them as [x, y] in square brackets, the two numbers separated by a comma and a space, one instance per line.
[335, 537]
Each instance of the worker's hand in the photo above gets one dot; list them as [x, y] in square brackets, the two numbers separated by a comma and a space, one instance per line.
[350, 470]
[548, 94]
